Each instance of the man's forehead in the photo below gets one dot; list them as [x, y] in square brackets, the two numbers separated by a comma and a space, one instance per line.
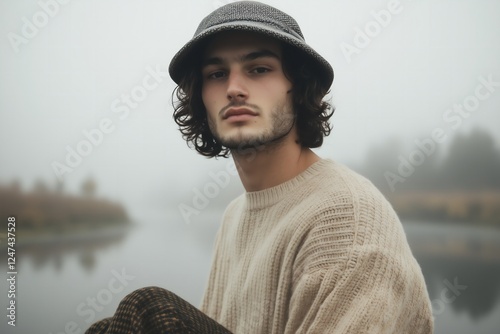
[238, 43]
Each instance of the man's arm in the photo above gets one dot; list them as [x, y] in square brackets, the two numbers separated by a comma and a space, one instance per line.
[375, 291]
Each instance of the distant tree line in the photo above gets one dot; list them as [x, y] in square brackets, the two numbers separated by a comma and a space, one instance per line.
[461, 185]
[471, 163]
[43, 209]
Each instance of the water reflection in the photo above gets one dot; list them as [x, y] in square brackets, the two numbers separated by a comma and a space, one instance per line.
[482, 281]
[463, 260]
[54, 250]
[445, 252]
[50, 223]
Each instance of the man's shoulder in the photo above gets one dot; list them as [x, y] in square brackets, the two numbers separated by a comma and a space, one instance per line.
[350, 202]
[340, 185]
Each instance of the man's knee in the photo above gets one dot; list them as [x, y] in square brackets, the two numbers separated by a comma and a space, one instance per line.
[146, 294]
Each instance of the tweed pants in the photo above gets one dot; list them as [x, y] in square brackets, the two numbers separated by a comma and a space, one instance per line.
[154, 310]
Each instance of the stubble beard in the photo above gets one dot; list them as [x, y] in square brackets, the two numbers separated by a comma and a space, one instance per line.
[282, 122]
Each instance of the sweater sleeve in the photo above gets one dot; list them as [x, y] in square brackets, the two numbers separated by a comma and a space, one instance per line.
[355, 273]
[376, 292]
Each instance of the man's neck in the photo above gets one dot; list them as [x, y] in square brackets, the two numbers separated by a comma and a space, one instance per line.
[265, 167]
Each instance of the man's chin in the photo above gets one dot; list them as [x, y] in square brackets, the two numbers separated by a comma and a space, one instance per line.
[242, 145]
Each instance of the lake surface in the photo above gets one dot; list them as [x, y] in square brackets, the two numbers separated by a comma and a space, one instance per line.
[75, 284]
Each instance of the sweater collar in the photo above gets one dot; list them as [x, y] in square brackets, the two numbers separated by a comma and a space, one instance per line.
[270, 196]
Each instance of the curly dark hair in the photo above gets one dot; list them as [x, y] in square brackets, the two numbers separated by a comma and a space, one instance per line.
[312, 112]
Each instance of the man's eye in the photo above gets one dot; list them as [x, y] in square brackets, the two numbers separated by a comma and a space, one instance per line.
[260, 70]
[216, 75]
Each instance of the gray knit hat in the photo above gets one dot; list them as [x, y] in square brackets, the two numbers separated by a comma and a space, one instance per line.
[249, 16]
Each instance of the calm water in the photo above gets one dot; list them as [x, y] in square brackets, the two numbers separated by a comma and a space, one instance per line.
[63, 287]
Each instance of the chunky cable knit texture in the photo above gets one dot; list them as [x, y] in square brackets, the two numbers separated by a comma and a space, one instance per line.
[321, 253]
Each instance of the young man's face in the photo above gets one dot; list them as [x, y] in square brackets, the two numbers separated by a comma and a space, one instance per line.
[244, 90]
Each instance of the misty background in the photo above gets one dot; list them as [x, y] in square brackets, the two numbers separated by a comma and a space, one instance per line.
[79, 70]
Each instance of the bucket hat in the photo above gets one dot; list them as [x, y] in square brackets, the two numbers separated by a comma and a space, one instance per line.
[249, 16]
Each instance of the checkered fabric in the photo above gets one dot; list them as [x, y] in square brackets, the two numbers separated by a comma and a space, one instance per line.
[153, 310]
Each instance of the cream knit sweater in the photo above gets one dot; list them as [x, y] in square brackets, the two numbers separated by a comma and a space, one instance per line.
[321, 253]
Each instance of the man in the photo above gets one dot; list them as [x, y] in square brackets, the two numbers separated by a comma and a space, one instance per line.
[310, 247]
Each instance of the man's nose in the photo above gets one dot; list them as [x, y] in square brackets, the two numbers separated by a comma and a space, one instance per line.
[236, 87]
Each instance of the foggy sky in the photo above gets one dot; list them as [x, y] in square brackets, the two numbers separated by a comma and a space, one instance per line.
[72, 75]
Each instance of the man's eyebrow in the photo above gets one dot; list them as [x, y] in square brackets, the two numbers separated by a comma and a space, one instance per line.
[259, 54]
[247, 57]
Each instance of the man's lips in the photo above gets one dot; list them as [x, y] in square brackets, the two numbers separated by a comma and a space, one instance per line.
[238, 112]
